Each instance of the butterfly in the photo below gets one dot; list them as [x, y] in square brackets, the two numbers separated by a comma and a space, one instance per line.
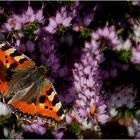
[31, 96]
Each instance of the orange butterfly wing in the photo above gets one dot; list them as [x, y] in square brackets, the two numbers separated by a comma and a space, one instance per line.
[50, 108]
[24, 110]
[10, 59]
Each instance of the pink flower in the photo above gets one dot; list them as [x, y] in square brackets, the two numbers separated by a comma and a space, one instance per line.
[30, 16]
[62, 20]
[58, 134]
[138, 131]
[1, 10]
[13, 23]
[35, 127]
[16, 22]
[39, 16]
[121, 95]
[108, 33]
[135, 57]
[30, 46]
[87, 82]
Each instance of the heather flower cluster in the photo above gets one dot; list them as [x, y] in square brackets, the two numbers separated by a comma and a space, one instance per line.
[60, 21]
[92, 56]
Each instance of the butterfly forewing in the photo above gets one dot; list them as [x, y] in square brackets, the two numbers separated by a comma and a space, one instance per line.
[10, 60]
[49, 106]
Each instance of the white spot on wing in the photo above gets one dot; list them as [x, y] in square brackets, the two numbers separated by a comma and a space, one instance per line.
[57, 106]
[17, 58]
[51, 97]
[1, 45]
[7, 65]
[62, 117]
[9, 51]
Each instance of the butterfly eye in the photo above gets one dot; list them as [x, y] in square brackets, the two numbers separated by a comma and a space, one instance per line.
[41, 69]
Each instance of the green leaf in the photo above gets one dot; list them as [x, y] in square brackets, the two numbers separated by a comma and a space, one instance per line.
[74, 127]
[85, 34]
[105, 48]
[124, 56]
[8, 120]
[28, 29]
[61, 31]
[88, 120]
[120, 31]
[129, 112]
[137, 66]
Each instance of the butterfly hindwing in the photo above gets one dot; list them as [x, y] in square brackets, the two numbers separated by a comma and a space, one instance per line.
[46, 106]
[23, 102]
[25, 91]
[23, 110]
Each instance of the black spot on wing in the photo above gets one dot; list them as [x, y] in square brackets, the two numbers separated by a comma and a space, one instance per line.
[49, 91]
[21, 61]
[42, 99]
[15, 53]
[55, 100]
[5, 48]
[46, 107]
[9, 75]
[6, 61]
[13, 65]
[60, 112]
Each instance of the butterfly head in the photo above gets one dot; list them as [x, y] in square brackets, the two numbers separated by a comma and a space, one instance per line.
[41, 70]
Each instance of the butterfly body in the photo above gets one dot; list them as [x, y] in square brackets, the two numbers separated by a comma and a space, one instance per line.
[31, 96]
[24, 78]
